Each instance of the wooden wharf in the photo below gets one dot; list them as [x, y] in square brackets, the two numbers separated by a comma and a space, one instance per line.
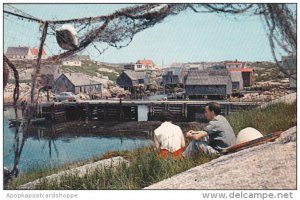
[127, 110]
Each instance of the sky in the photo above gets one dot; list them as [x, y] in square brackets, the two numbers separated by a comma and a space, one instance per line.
[187, 37]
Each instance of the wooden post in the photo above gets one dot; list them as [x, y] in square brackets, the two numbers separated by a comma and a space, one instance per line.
[228, 109]
[149, 113]
[136, 113]
[121, 116]
[86, 113]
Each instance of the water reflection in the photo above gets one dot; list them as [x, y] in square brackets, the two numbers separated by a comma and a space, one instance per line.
[46, 146]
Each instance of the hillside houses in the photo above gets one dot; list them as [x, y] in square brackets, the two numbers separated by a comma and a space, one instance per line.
[236, 66]
[24, 53]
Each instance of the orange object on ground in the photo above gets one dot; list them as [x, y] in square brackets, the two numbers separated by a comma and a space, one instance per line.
[165, 153]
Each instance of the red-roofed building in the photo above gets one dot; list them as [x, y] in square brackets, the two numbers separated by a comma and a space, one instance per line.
[24, 53]
[35, 51]
[149, 64]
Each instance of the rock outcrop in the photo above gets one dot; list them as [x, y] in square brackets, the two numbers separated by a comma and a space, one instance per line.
[79, 171]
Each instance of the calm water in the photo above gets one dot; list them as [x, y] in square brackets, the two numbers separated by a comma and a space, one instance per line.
[44, 152]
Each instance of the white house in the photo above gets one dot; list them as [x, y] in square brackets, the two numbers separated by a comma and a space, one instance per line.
[134, 67]
[148, 64]
[72, 62]
[232, 65]
[141, 65]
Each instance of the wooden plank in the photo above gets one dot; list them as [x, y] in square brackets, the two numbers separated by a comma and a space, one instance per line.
[252, 143]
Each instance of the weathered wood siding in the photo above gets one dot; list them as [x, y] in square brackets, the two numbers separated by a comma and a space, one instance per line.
[88, 89]
[171, 80]
[124, 81]
[63, 84]
[206, 90]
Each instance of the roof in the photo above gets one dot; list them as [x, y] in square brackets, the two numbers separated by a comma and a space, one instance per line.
[21, 51]
[236, 76]
[235, 63]
[242, 69]
[35, 51]
[176, 71]
[79, 79]
[177, 65]
[145, 62]
[200, 77]
[135, 75]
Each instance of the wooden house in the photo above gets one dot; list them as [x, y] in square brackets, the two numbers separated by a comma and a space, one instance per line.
[129, 79]
[210, 84]
[247, 74]
[173, 76]
[237, 81]
[76, 83]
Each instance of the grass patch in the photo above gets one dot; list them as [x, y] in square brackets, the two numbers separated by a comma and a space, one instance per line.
[145, 169]
[277, 117]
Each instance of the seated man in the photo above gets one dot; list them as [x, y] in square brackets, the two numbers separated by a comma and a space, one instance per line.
[215, 137]
[168, 138]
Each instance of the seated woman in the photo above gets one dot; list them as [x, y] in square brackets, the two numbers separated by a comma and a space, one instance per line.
[168, 138]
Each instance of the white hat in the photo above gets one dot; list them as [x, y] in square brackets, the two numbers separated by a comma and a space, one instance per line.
[248, 134]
